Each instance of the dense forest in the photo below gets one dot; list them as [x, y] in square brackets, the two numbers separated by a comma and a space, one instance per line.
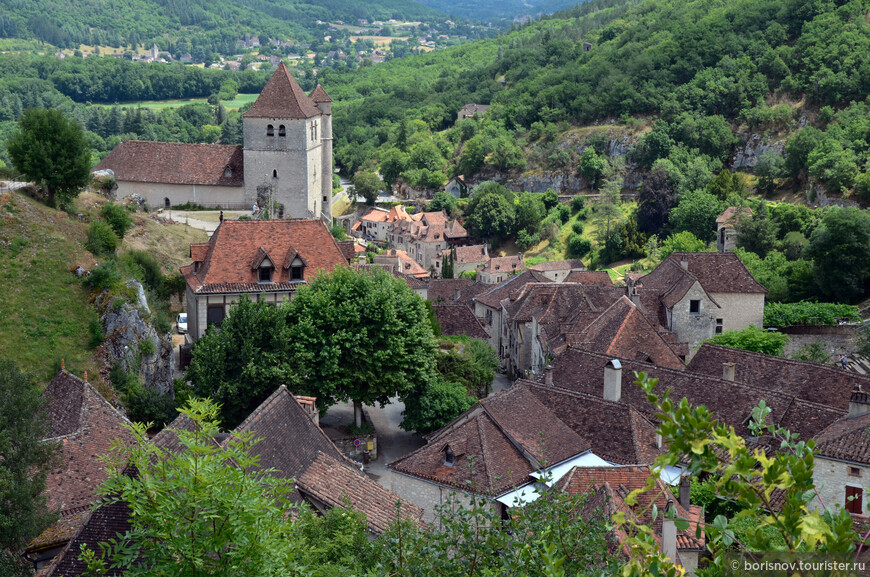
[212, 25]
[499, 9]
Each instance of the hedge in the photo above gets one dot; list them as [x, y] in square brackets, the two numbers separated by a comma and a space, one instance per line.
[808, 313]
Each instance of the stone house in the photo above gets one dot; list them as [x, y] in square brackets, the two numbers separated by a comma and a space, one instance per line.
[505, 446]
[726, 233]
[559, 270]
[465, 258]
[402, 262]
[455, 291]
[375, 224]
[425, 236]
[456, 186]
[471, 110]
[697, 295]
[85, 426]
[286, 157]
[498, 269]
[263, 260]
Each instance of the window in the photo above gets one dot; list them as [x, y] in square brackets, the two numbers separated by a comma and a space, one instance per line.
[855, 500]
[296, 272]
[265, 273]
[324, 199]
[694, 306]
[282, 131]
[854, 472]
[228, 172]
[489, 317]
[166, 203]
[270, 130]
[449, 457]
[718, 326]
[274, 174]
[215, 315]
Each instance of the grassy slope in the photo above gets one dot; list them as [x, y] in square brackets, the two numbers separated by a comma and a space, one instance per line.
[234, 104]
[44, 311]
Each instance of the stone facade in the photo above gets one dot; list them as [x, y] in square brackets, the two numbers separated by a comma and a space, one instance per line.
[162, 195]
[739, 310]
[831, 477]
[694, 317]
[430, 495]
[198, 306]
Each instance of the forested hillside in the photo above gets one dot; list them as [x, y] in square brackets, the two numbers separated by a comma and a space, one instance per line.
[499, 9]
[213, 25]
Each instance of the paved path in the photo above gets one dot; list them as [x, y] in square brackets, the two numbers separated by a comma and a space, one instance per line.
[207, 220]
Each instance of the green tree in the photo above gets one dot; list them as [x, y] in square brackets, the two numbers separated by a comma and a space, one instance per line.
[444, 201]
[840, 250]
[433, 405]
[118, 218]
[592, 165]
[206, 509]
[242, 363]
[490, 215]
[26, 464]
[102, 240]
[696, 213]
[368, 185]
[52, 151]
[813, 352]
[681, 242]
[752, 338]
[757, 234]
[530, 211]
[608, 212]
[655, 200]
[770, 166]
[833, 164]
[362, 337]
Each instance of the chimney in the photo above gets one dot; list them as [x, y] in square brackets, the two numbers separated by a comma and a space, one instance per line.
[658, 440]
[85, 377]
[728, 371]
[548, 375]
[456, 294]
[613, 380]
[684, 262]
[684, 492]
[633, 296]
[669, 533]
[859, 403]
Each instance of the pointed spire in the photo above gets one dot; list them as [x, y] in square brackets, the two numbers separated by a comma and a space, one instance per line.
[282, 97]
[319, 95]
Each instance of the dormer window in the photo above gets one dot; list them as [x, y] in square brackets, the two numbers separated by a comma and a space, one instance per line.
[228, 172]
[270, 130]
[265, 273]
[297, 269]
[282, 131]
[449, 457]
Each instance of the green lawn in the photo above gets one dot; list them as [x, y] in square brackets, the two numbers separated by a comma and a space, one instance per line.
[234, 104]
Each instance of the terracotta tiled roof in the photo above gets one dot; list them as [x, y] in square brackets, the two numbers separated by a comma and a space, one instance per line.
[459, 319]
[505, 264]
[560, 265]
[319, 95]
[718, 272]
[235, 243]
[85, 425]
[624, 332]
[168, 440]
[493, 297]
[730, 402]
[348, 249]
[846, 439]
[486, 462]
[333, 482]
[375, 215]
[458, 291]
[470, 254]
[620, 481]
[598, 277]
[409, 266]
[198, 251]
[176, 163]
[732, 213]
[282, 97]
[810, 381]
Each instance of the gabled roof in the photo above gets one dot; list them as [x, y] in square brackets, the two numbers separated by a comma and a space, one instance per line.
[470, 254]
[319, 95]
[198, 251]
[810, 381]
[718, 272]
[332, 482]
[506, 264]
[235, 244]
[176, 163]
[623, 331]
[458, 319]
[729, 401]
[594, 277]
[847, 440]
[553, 265]
[282, 97]
[406, 264]
[732, 214]
[493, 297]
[455, 290]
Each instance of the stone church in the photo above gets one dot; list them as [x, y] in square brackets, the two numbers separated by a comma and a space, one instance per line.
[286, 159]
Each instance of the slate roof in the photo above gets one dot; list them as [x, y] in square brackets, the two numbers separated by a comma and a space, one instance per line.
[85, 425]
[493, 297]
[560, 265]
[730, 402]
[598, 277]
[618, 482]
[234, 245]
[457, 319]
[623, 331]
[282, 97]
[847, 440]
[334, 483]
[176, 163]
[319, 95]
[821, 384]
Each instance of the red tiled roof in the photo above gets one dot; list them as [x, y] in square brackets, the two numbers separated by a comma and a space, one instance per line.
[821, 384]
[732, 213]
[593, 277]
[282, 97]
[470, 254]
[408, 265]
[719, 272]
[493, 297]
[198, 250]
[455, 290]
[348, 249]
[457, 319]
[334, 483]
[319, 95]
[505, 264]
[235, 243]
[176, 163]
[846, 439]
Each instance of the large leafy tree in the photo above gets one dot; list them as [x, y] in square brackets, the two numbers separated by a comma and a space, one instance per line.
[696, 213]
[362, 337]
[242, 363]
[51, 150]
[26, 461]
[491, 215]
[205, 510]
[655, 200]
[840, 250]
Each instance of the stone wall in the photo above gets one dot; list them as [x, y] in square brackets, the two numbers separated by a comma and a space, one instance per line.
[428, 495]
[831, 479]
[691, 327]
[155, 194]
[740, 310]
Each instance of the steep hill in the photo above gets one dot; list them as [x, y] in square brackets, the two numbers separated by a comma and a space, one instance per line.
[499, 9]
[207, 23]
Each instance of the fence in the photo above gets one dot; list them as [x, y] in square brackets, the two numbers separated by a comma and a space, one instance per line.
[12, 184]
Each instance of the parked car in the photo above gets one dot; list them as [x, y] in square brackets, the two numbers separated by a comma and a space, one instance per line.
[181, 323]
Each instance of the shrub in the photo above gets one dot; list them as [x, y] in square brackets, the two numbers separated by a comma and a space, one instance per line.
[338, 232]
[808, 313]
[118, 218]
[813, 352]
[578, 246]
[147, 348]
[525, 240]
[577, 227]
[563, 211]
[145, 268]
[578, 203]
[752, 338]
[97, 336]
[102, 239]
[105, 276]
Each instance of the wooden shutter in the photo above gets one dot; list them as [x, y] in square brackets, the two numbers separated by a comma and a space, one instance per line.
[855, 500]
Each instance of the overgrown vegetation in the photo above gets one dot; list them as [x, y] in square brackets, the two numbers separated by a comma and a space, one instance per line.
[755, 339]
[808, 313]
